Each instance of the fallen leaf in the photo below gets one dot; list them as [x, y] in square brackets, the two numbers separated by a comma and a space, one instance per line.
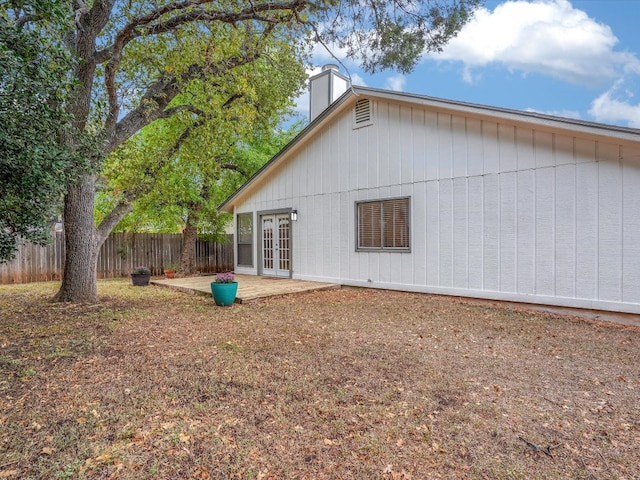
[262, 475]
[201, 473]
[103, 458]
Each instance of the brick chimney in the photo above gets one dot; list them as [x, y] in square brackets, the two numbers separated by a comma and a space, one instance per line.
[325, 88]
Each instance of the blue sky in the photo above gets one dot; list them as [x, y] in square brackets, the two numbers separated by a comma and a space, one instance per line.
[572, 58]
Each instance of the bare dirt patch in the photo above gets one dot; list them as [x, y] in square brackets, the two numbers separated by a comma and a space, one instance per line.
[349, 383]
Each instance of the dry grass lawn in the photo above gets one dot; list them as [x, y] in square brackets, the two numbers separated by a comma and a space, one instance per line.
[362, 384]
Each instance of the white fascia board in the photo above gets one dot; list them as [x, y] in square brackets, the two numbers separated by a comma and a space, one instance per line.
[515, 116]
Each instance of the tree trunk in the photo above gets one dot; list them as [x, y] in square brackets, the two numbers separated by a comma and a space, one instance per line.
[189, 237]
[79, 283]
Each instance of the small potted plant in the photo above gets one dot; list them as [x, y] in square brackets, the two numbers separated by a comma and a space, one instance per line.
[140, 276]
[224, 289]
[170, 270]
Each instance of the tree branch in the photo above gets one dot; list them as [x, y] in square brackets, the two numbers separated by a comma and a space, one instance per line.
[125, 205]
[82, 41]
[22, 21]
[185, 135]
[224, 17]
[102, 56]
[169, 112]
[141, 26]
[109, 222]
[235, 168]
[160, 94]
[231, 99]
[95, 19]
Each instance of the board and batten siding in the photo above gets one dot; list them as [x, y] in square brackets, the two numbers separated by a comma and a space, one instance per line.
[500, 211]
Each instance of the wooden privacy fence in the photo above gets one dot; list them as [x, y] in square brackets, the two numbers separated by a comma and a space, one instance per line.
[119, 255]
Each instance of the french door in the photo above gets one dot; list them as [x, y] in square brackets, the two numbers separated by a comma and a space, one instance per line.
[276, 245]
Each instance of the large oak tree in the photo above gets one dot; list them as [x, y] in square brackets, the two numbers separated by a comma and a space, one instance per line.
[135, 57]
[183, 167]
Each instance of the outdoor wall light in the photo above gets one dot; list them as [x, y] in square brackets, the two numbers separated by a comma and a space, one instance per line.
[294, 215]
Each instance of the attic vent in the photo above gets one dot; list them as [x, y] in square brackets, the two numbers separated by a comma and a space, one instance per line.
[363, 115]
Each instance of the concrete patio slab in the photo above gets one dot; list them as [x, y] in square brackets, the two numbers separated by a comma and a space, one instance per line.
[250, 287]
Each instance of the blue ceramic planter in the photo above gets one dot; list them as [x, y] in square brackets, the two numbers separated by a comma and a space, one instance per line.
[224, 294]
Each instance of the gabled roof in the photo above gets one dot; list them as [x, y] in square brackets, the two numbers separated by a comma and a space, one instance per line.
[531, 119]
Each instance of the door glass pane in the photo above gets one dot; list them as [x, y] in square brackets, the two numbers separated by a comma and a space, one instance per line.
[267, 243]
[283, 243]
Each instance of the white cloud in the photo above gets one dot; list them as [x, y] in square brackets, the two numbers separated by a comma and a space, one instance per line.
[614, 106]
[395, 83]
[548, 37]
[357, 80]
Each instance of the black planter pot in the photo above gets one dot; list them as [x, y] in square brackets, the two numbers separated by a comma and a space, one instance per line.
[140, 279]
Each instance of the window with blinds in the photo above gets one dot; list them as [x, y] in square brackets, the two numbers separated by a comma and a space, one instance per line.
[383, 224]
[245, 239]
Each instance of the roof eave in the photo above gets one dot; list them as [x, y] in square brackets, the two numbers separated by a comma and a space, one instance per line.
[518, 116]
[227, 205]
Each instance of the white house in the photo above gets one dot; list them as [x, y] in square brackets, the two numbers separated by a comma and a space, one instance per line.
[398, 191]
